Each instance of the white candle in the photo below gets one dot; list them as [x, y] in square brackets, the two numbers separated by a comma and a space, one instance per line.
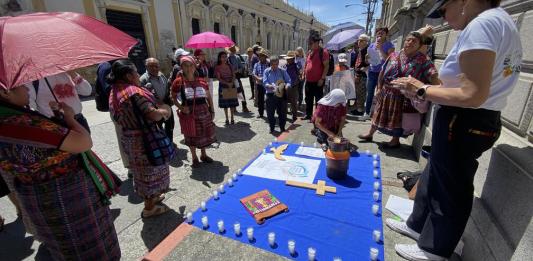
[221, 188]
[292, 247]
[205, 222]
[311, 254]
[202, 205]
[315, 144]
[264, 151]
[272, 239]
[230, 182]
[239, 172]
[374, 252]
[375, 209]
[215, 194]
[375, 163]
[376, 235]
[250, 233]
[270, 144]
[220, 225]
[375, 195]
[375, 156]
[189, 217]
[302, 144]
[376, 185]
[375, 173]
[237, 228]
[367, 152]
[234, 176]
[337, 259]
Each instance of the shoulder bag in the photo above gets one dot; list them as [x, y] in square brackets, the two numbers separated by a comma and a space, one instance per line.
[187, 122]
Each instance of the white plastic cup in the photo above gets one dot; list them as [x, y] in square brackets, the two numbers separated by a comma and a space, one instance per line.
[337, 258]
[221, 189]
[272, 239]
[376, 185]
[375, 163]
[239, 172]
[375, 209]
[215, 194]
[315, 145]
[376, 235]
[220, 225]
[205, 222]
[302, 144]
[264, 151]
[270, 144]
[202, 205]
[234, 176]
[375, 173]
[250, 233]
[367, 152]
[375, 195]
[230, 182]
[237, 228]
[291, 244]
[375, 156]
[189, 217]
[374, 252]
[311, 254]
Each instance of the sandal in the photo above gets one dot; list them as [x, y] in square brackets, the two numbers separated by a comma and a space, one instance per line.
[206, 159]
[365, 137]
[156, 211]
[195, 163]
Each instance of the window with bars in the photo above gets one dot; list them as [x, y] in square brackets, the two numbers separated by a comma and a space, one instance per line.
[195, 26]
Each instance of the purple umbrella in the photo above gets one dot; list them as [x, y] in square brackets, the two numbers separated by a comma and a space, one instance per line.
[343, 39]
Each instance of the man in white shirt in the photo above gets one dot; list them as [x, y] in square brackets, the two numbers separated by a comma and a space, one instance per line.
[66, 87]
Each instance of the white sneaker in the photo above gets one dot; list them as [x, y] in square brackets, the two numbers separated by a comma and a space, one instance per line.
[402, 228]
[414, 253]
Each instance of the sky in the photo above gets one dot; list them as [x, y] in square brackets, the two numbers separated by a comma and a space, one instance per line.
[332, 12]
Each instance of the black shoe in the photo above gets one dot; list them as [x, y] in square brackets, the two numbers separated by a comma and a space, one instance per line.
[357, 113]
[283, 130]
[259, 116]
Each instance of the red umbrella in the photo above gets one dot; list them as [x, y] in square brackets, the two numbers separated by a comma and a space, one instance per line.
[209, 40]
[42, 44]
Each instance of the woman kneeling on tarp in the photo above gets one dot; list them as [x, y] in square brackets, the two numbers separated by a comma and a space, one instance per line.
[330, 116]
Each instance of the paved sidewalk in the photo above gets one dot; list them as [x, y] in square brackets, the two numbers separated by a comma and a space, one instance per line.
[237, 145]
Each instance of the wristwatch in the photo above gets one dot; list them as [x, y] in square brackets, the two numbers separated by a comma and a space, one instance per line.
[421, 93]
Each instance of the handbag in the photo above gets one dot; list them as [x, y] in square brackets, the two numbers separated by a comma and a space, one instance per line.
[187, 122]
[159, 148]
[421, 106]
[229, 93]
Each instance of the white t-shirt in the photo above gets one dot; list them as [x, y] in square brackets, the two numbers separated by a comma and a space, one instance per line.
[65, 89]
[494, 30]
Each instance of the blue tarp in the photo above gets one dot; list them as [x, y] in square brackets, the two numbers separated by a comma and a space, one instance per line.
[336, 225]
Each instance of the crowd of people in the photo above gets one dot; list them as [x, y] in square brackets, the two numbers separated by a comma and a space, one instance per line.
[57, 183]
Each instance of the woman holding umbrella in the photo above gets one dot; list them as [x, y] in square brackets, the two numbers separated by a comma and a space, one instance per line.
[62, 187]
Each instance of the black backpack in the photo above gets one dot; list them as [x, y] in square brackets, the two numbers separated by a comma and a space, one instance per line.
[101, 96]
[331, 65]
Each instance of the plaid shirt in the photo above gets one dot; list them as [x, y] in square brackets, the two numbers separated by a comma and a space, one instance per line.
[259, 69]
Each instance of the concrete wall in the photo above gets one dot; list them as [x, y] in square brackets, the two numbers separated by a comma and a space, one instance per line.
[62, 5]
[501, 221]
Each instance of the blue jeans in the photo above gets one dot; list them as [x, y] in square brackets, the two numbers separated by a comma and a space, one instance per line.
[371, 84]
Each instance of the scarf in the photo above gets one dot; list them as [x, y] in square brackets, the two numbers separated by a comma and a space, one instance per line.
[103, 178]
[336, 96]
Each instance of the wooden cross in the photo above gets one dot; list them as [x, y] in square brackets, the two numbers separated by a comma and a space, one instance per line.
[320, 186]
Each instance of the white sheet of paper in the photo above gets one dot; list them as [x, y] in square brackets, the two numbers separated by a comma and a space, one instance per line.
[344, 80]
[310, 152]
[293, 168]
[401, 207]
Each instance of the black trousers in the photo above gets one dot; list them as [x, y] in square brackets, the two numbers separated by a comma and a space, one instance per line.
[276, 105]
[300, 92]
[252, 84]
[445, 191]
[260, 96]
[313, 93]
[168, 125]
[241, 90]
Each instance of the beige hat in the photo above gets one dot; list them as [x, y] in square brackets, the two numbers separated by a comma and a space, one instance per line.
[291, 54]
[263, 51]
[233, 49]
[249, 49]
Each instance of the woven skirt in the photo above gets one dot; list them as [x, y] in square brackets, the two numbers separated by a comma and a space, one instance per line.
[226, 103]
[148, 181]
[205, 128]
[390, 105]
[68, 216]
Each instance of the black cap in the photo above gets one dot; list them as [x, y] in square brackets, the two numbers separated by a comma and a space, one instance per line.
[434, 12]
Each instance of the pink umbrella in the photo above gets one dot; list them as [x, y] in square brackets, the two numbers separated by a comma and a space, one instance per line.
[209, 40]
[43, 44]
